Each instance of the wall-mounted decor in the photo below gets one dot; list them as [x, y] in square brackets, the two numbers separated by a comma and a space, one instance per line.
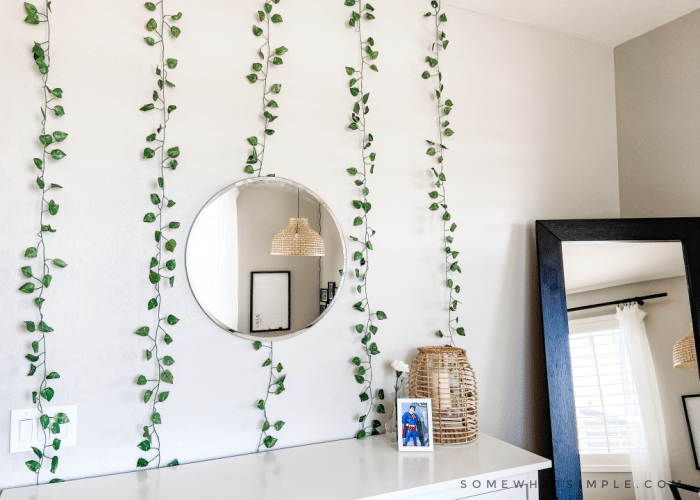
[363, 372]
[444, 375]
[270, 297]
[684, 353]
[298, 239]
[437, 150]
[261, 73]
[230, 239]
[162, 263]
[40, 275]
[691, 406]
[331, 291]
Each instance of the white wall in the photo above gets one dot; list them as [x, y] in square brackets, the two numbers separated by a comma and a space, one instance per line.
[667, 320]
[658, 104]
[535, 139]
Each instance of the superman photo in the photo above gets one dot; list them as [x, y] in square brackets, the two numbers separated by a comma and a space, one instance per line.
[415, 424]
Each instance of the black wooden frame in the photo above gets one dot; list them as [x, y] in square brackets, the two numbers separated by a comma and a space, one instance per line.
[550, 235]
[690, 431]
[289, 300]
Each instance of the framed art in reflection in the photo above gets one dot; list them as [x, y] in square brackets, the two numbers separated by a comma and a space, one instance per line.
[415, 424]
[270, 295]
[691, 405]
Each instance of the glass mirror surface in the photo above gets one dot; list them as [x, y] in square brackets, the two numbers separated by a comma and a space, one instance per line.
[628, 395]
[239, 284]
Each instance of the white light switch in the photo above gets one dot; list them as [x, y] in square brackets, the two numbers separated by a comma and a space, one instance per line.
[26, 431]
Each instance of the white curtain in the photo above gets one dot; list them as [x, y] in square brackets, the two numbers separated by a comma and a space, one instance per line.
[643, 416]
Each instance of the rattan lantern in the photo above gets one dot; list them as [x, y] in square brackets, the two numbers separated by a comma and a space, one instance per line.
[444, 375]
[298, 240]
[684, 354]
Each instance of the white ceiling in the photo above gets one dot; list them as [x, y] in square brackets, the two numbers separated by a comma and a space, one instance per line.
[590, 266]
[610, 22]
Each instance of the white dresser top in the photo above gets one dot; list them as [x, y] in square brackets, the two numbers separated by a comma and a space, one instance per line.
[348, 469]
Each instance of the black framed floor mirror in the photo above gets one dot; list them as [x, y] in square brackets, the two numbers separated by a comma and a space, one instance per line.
[621, 316]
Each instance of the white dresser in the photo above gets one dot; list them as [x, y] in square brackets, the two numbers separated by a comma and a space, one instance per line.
[488, 469]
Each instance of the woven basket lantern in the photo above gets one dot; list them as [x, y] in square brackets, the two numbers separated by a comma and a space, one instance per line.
[298, 240]
[444, 375]
[684, 354]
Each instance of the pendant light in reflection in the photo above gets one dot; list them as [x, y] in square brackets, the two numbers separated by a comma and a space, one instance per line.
[298, 239]
[684, 354]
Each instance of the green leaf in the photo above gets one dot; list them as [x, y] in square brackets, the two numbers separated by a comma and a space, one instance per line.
[163, 396]
[449, 132]
[443, 18]
[168, 361]
[44, 420]
[174, 152]
[47, 394]
[280, 51]
[149, 40]
[53, 375]
[32, 358]
[170, 245]
[269, 441]
[53, 207]
[279, 367]
[355, 91]
[430, 152]
[257, 31]
[357, 221]
[141, 380]
[373, 349]
[153, 277]
[460, 331]
[276, 18]
[45, 139]
[27, 288]
[261, 404]
[35, 344]
[147, 396]
[172, 63]
[425, 75]
[174, 463]
[278, 425]
[56, 444]
[33, 465]
[152, 304]
[145, 445]
[175, 31]
[172, 320]
[155, 418]
[151, 25]
[57, 154]
[141, 462]
[166, 377]
[272, 104]
[380, 409]
[277, 61]
[381, 315]
[434, 207]
[380, 394]
[364, 397]
[143, 331]
[171, 108]
[150, 6]
[361, 434]
[32, 370]
[267, 362]
[176, 17]
[167, 338]
[257, 345]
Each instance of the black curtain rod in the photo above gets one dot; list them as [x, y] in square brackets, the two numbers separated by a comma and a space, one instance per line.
[638, 300]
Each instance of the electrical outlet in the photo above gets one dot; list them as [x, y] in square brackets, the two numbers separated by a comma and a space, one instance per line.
[26, 431]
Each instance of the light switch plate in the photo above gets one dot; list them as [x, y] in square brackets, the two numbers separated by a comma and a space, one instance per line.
[31, 435]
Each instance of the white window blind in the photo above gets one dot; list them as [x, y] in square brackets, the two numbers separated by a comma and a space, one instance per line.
[605, 395]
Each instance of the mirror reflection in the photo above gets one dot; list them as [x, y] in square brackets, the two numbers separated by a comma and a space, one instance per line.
[265, 258]
[628, 308]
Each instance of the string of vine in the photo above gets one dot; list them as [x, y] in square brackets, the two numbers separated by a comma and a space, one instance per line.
[41, 274]
[254, 163]
[367, 328]
[275, 385]
[160, 272]
[436, 150]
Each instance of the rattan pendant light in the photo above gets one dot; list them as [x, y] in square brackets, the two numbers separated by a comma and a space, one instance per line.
[298, 239]
[684, 354]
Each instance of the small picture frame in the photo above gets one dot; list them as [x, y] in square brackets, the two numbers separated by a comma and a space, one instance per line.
[691, 406]
[324, 295]
[415, 424]
[331, 291]
[323, 306]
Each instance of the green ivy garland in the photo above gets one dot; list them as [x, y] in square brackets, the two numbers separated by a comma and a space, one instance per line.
[154, 393]
[360, 110]
[49, 424]
[254, 163]
[275, 385]
[436, 150]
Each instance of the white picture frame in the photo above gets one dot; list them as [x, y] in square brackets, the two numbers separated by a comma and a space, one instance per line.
[410, 439]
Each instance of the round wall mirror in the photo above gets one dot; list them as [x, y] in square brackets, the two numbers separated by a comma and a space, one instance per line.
[265, 258]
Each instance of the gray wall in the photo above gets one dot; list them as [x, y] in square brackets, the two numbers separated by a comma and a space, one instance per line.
[667, 320]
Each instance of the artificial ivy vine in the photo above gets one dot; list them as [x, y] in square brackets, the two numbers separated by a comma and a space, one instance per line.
[275, 385]
[437, 150]
[363, 373]
[254, 163]
[159, 270]
[41, 277]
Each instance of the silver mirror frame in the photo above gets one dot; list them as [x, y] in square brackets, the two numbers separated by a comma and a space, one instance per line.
[237, 185]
